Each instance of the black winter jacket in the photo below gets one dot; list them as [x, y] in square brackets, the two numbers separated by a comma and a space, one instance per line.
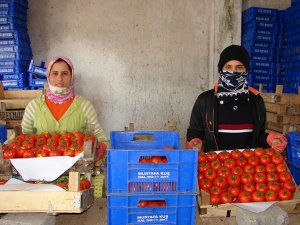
[204, 124]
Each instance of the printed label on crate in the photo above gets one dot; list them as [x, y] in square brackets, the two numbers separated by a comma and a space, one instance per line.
[152, 218]
[153, 174]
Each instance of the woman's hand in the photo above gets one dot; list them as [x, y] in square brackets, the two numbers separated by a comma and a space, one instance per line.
[195, 143]
[100, 151]
[277, 141]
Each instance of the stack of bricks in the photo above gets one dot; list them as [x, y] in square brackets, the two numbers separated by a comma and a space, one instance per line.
[283, 111]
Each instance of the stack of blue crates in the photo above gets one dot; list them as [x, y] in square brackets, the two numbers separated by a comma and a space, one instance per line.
[37, 75]
[15, 50]
[140, 192]
[3, 133]
[281, 48]
[292, 54]
[259, 31]
[293, 152]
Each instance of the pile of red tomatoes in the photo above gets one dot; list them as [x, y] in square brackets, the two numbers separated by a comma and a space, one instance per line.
[245, 176]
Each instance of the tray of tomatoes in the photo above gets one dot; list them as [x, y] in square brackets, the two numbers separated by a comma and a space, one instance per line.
[45, 145]
[241, 176]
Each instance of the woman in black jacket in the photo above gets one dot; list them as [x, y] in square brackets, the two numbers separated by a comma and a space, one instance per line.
[232, 115]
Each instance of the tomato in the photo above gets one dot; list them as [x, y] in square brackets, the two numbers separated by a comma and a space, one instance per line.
[163, 203]
[270, 168]
[223, 172]
[47, 148]
[290, 185]
[244, 196]
[247, 153]
[215, 165]
[143, 203]
[210, 174]
[273, 186]
[261, 187]
[237, 171]
[10, 154]
[78, 150]
[249, 169]
[235, 154]
[249, 187]
[214, 200]
[233, 190]
[258, 152]
[45, 135]
[69, 152]
[260, 169]
[63, 185]
[258, 196]
[154, 159]
[241, 162]
[54, 152]
[211, 156]
[27, 144]
[200, 176]
[201, 157]
[265, 159]
[270, 151]
[29, 153]
[229, 163]
[233, 179]
[153, 204]
[220, 182]
[285, 176]
[222, 156]
[225, 197]
[33, 137]
[64, 142]
[215, 190]
[280, 168]
[84, 184]
[284, 194]
[165, 148]
[253, 161]
[270, 196]
[202, 167]
[246, 178]
[2, 182]
[260, 178]
[42, 153]
[52, 142]
[206, 184]
[277, 159]
[272, 176]
[20, 152]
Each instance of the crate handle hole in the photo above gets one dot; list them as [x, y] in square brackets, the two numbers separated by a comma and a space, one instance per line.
[154, 159]
[139, 137]
[152, 203]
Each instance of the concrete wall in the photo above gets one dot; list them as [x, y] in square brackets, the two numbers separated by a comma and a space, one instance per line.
[137, 61]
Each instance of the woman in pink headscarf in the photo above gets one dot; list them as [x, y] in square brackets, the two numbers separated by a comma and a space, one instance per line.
[60, 110]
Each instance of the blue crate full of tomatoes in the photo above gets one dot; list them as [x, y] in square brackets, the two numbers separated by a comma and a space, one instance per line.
[247, 175]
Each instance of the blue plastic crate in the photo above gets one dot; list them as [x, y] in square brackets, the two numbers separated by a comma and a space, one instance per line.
[37, 82]
[20, 76]
[258, 37]
[295, 170]
[291, 87]
[15, 10]
[8, 56]
[127, 172]
[6, 3]
[124, 209]
[259, 14]
[14, 34]
[3, 133]
[255, 25]
[39, 70]
[292, 13]
[14, 48]
[144, 139]
[14, 63]
[251, 43]
[261, 64]
[21, 83]
[15, 41]
[261, 54]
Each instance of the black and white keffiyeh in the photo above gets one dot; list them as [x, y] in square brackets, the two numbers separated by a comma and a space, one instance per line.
[232, 83]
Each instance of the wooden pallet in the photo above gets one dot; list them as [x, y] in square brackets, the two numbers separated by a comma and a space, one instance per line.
[279, 97]
[51, 202]
[282, 128]
[229, 210]
[283, 119]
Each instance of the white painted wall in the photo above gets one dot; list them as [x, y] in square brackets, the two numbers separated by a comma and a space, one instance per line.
[141, 61]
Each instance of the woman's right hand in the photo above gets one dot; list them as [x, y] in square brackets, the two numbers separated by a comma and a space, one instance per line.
[195, 143]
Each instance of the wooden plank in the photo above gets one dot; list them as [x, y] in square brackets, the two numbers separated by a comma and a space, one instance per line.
[281, 98]
[16, 103]
[283, 119]
[281, 128]
[283, 109]
[47, 202]
[19, 94]
[13, 123]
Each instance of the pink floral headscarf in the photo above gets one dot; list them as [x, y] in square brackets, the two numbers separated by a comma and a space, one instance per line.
[70, 93]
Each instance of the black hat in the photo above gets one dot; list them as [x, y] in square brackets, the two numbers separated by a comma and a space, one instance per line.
[234, 52]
